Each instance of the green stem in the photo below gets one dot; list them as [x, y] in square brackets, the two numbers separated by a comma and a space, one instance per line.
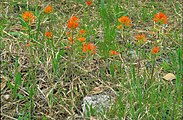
[153, 66]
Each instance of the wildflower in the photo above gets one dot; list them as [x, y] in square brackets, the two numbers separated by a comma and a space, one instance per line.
[48, 34]
[120, 26]
[160, 18]
[70, 39]
[23, 28]
[74, 18]
[73, 22]
[68, 33]
[28, 45]
[82, 56]
[88, 2]
[89, 47]
[81, 39]
[113, 52]
[67, 47]
[28, 17]
[155, 50]
[82, 32]
[124, 20]
[141, 37]
[48, 9]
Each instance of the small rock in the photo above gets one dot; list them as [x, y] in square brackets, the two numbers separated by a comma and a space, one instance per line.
[132, 53]
[99, 102]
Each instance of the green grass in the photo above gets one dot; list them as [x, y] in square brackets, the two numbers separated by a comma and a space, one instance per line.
[46, 80]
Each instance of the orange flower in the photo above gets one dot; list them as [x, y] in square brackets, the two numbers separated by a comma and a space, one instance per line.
[28, 45]
[155, 50]
[68, 33]
[73, 22]
[48, 9]
[113, 52]
[74, 18]
[160, 18]
[28, 17]
[48, 34]
[124, 20]
[23, 28]
[141, 37]
[71, 41]
[67, 47]
[82, 32]
[70, 38]
[81, 39]
[89, 47]
[88, 2]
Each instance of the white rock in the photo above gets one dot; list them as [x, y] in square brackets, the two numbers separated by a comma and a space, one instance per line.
[99, 102]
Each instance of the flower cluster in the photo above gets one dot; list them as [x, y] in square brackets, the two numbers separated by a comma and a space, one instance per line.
[160, 18]
[81, 36]
[155, 50]
[141, 37]
[28, 17]
[124, 21]
[113, 52]
[89, 47]
[73, 22]
[48, 9]
[48, 34]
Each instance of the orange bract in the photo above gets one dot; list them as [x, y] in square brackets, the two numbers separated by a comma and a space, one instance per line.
[73, 22]
[82, 32]
[141, 37]
[124, 20]
[89, 47]
[48, 34]
[155, 50]
[67, 47]
[113, 52]
[68, 33]
[88, 2]
[48, 9]
[28, 17]
[28, 45]
[160, 18]
[81, 39]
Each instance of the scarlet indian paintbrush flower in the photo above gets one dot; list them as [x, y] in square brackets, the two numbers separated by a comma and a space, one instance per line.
[71, 40]
[113, 52]
[28, 45]
[28, 17]
[48, 34]
[89, 47]
[73, 22]
[155, 50]
[160, 18]
[124, 20]
[141, 37]
[81, 39]
[48, 9]
[88, 2]
[82, 32]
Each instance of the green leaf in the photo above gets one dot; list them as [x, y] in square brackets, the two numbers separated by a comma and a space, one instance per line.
[111, 68]
[24, 24]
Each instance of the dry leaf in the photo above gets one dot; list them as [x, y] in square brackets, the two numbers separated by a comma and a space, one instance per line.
[7, 96]
[3, 82]
[169, 77]
[93, 118]
[96, 90]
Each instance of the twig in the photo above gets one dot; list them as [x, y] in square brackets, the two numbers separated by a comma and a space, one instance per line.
[8, 116]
